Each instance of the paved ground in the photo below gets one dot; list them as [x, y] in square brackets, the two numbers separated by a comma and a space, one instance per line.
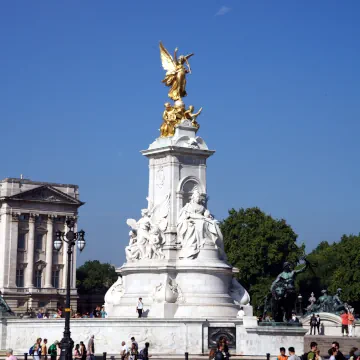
[324, 343]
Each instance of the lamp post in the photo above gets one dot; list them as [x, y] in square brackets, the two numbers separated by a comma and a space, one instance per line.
[70, 238]
[300, 305]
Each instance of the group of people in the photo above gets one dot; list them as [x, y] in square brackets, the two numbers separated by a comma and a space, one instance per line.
[98, 312]
[334, 353]
[315, 323]
[347, 323]
[133, 352]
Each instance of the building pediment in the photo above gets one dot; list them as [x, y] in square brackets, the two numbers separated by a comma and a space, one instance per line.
[45, 194]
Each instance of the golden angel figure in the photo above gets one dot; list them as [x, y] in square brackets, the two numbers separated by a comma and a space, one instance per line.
[175, 72]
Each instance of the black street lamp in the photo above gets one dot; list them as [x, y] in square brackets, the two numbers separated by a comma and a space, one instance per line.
[70, 238]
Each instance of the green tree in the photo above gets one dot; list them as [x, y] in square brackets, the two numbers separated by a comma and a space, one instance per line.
[258, 245]
[95, 277]
[335, 266]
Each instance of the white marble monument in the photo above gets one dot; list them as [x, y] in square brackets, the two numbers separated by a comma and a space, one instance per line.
[175, 258]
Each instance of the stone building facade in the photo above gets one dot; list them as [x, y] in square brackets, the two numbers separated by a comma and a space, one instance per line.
[32, 273]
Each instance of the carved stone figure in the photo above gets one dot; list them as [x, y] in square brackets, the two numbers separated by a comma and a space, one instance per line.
[115, 292]
[312, 300]
[283, 292]
[196, 226]
[238, 293]
[147, 235]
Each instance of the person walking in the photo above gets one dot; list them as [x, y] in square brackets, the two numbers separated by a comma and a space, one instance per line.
[124, 351]
[333, 353]
[311, 355]
[58, 351]
[53, 350]
[220, 352]
[91, 348]
[133, 355]
[339, 354]
[139, 307]
[82, 350]
[318, 323]
[351, 320]
[344, 323]
[282, 355]
[77, 354]
[44, 350]
[134, 342]
[313, 324]
[37, 349]
[292, 355]
[9, 355]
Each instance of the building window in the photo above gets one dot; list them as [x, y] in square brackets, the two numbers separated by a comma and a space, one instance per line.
[20, 278]
[55, 278]
[39, 242]
[38, 278]
[21, 241]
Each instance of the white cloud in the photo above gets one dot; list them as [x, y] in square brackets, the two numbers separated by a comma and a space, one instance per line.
[223, 11]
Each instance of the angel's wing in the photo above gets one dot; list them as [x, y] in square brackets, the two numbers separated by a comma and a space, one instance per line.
[160, 213]
[132, 223]
[167, 61]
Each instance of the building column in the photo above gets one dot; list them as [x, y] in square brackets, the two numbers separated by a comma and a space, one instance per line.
[29, 279]
[13, 246]
[65, 248]
[49, 251]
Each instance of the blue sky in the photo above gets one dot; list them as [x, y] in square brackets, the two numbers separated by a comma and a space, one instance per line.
[80, 96]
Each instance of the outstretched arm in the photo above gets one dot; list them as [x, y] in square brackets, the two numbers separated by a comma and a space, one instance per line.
[299, 271]
[277, 280]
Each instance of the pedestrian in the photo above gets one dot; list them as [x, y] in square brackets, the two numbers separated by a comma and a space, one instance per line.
[318, 323]
[311, 355]
[134, 342]
[58, 351]
[225, 342]
[292, 355]
[103, 313]
[53, 350]
[352, 353]
[282, 355]
[44, 350]
[9, 355]
[333, 353]
[339, 355]
[241, 313]
[77, 354]
[313, 324]
[351, 320]
[317, 355]
[220, 352]
[145, 352]
[212, 353]
[124, 351]
[139, 307]
[82, 350]
[133, 352]
[344, 323]
[294, 319]
[37, 349]
[91, 348]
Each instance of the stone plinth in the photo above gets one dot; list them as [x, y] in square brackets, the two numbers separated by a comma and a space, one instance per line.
[166, 337]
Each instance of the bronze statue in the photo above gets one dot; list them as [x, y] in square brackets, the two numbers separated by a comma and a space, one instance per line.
[169, 121]
[175, 72]
[283, 292]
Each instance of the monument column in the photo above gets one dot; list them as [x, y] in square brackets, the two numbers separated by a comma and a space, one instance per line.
[49, 251]
[29, 280]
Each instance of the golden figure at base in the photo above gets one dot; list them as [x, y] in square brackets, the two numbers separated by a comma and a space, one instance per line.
[175, 72]
[168, 126]
[189, 114]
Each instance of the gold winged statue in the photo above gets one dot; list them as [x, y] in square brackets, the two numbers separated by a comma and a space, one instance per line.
[175, 72]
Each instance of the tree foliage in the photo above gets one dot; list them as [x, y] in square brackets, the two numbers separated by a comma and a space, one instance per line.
[258, 245]
[95, 277]
[335, 266]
